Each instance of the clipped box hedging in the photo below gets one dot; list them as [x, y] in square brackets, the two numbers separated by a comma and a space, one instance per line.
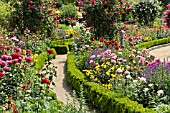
[62, 46]
[61, 42]
[154, 43]
[105, 100]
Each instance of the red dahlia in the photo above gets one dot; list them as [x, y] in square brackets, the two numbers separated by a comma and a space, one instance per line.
[15, 55]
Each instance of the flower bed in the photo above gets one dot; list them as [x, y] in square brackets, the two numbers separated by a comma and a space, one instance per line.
[100, 96]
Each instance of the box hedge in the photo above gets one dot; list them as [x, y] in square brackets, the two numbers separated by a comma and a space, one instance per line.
[62, 46]
[154, 43]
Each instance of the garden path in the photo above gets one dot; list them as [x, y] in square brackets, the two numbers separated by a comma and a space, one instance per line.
[161, 52]
[63, 91]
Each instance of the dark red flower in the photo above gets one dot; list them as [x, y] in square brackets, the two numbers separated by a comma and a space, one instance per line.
[23, 87]
[50, 51]
[1, 74]
[113, 41]
[15, 55]
[11, 25]
[101, 39]
[130, 39]
[92, 38]
[107, 43]
[45, 81]
[117, 47]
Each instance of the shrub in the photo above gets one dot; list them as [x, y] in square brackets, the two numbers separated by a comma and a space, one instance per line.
[68, 11]
[146, 11]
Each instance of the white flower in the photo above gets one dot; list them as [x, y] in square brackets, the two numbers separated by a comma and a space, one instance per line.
[120, 53]
[119, 70]
[128, 77]
[150, 85]
[142, 79]
[145, 90]
[160, 92]
[135, 81]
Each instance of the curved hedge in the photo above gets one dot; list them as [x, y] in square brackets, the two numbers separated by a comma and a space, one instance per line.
[154, 43]
[105, 100]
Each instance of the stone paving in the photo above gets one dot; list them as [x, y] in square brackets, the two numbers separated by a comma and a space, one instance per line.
[161, 52]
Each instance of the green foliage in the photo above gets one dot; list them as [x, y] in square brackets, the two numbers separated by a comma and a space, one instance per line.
[104, 99]
[68, 11]
[63, 26]
[154, 43]
[3, 11]
[62, 42]
[41, 61]
[146, 11]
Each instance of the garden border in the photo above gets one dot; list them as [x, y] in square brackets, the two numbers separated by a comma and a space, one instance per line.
[102, 98]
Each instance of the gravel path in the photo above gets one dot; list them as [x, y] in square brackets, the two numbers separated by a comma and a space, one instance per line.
[161, 52]
[62, 90]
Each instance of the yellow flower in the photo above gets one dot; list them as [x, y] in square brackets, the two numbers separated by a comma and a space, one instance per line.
[109, 86]
[104, 65]
[35, 57]
[97, 68]
[113, 68]
[113, 75]
[108, 63]
[96, 79]
[92, 77]
[24, 52]
[88, 72]
[108, 72]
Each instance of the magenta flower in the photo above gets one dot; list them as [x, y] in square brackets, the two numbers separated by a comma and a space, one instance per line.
[3, 63]
[7, 69]
[28, 51]
[28, 59]
[4, 57]
[9, 58]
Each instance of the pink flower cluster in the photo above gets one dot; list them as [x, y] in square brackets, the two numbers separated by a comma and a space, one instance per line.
[167, 16]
